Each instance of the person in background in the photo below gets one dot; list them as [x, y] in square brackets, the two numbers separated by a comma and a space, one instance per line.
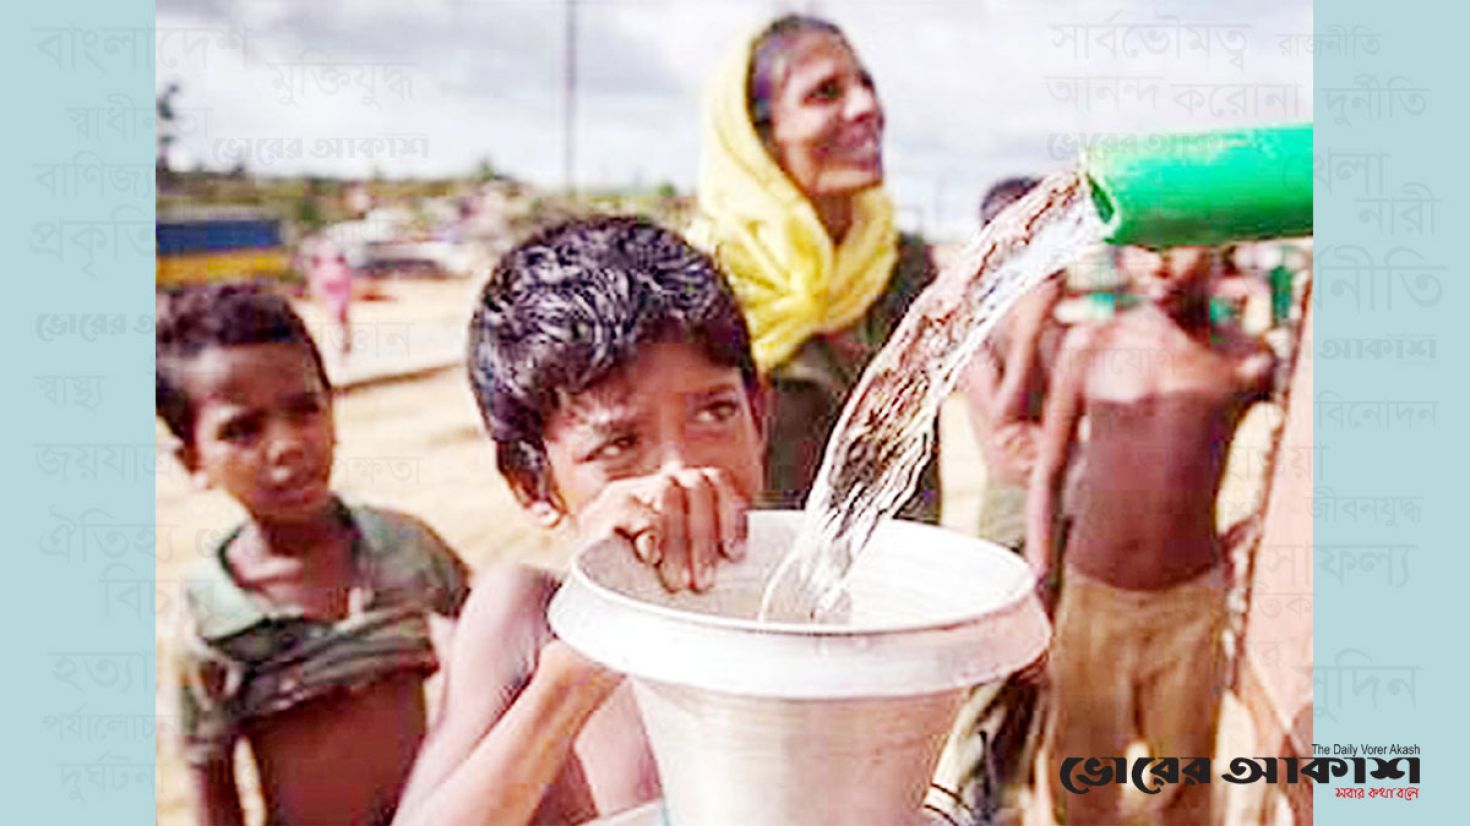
[993, 745]
[311, 626]
[1005, 388]
[1137, 651]
[791, 204]
[329, 277]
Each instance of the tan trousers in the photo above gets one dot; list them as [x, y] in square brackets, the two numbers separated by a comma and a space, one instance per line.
[1129, 665]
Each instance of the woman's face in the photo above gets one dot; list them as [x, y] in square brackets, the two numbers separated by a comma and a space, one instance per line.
[826, 121]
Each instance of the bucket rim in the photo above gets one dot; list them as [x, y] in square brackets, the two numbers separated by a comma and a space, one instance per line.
[1012, 600]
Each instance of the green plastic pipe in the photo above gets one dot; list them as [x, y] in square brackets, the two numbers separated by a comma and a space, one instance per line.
[1204, 189]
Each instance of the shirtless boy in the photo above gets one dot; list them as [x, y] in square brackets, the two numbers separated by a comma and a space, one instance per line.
[613, 369]
[308, 632]
[1005, 387]
[1137, 651]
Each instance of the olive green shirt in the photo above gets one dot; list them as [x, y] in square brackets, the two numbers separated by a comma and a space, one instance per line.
[244, 657]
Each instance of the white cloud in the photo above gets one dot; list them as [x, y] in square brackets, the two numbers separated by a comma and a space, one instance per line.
[974, 91]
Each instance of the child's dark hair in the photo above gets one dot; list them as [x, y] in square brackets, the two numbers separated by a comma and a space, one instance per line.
[193, 319]
[1002, 195]
[768, 64]
[570, 306]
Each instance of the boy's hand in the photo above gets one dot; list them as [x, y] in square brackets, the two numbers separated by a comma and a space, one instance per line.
[679, 521]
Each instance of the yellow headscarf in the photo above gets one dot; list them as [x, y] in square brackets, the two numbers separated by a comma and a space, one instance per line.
[781, 263]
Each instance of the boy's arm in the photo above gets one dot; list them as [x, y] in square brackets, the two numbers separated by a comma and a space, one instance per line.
[1008, 448]
[1018, 377]
[998, 398]
[1258, 371]
[507, 724]
[979, 382]
[995, 383]
[215, 795]
[1255, 364]
[1058, 430]
[505, 733]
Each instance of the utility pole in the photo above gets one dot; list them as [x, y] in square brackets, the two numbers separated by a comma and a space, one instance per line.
[569, 102]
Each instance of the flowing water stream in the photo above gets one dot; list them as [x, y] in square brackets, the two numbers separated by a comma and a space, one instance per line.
[882, 440]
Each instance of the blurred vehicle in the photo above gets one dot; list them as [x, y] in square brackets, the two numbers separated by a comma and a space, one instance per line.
[418, 259]
[390, 241]
[220, 244]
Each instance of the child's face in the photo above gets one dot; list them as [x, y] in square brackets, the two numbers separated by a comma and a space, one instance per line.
[1163, 276]
[670, 408]
[263, 429]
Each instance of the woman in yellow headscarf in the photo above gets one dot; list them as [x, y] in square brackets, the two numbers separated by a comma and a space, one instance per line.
[791, 204]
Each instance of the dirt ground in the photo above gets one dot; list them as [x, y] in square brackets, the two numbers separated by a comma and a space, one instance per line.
[418, 446]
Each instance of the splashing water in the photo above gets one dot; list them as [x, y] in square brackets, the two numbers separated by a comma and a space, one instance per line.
[883, 438]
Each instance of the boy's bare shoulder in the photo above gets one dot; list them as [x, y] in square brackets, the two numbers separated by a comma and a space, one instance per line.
[500, 634]
[507, 597]
[516, 582]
